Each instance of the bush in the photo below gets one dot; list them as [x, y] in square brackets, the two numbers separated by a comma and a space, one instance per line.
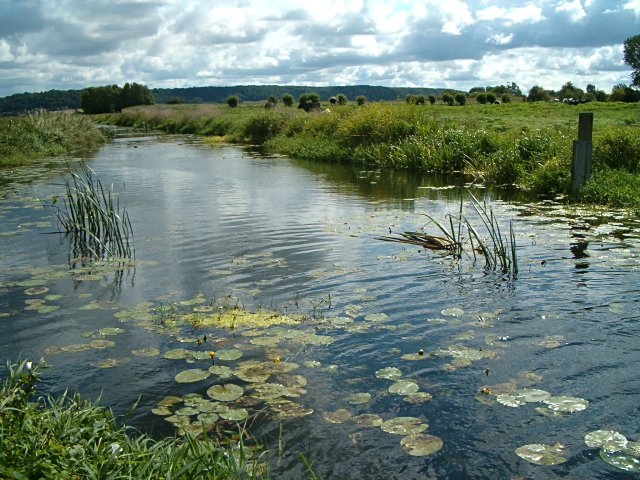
[461, 98]
[481, 98]
[420, 100]
[361, 99]
[505, 98]
[432, 99]
[342, 99]
[618, 149]
[272, 99]
[309, 102]
[448, 99]
[261, 127]
[491, 98]
[287, 100]
[233, 101]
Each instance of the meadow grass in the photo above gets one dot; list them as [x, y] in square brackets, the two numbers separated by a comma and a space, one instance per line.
[524, 144]
[68, 437]
[42, 134]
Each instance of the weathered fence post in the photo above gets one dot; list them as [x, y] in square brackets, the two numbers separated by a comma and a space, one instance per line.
[582, 153]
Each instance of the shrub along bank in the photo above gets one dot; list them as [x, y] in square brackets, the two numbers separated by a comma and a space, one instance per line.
[41, 134]
[529, 145]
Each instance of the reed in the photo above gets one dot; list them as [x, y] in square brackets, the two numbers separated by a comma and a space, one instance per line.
[99, 227]
[42, 436]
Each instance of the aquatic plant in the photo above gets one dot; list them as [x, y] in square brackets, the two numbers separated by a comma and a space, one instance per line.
[69, 437]
[98, 226]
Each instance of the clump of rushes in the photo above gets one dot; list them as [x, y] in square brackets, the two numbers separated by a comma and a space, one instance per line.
[41, 134]
[68, 437]
[97, 224]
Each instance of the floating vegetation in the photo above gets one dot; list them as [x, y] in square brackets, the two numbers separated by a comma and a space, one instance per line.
[225, 393]
[541, 454]
[389, 373]
[108, 331]
[228, 355]
[610, 440]
[96, 223]
[404, 426]
[420, 445]
[404, 387]
[452, 312]
[234, 414]
[615, 449]
[146, 352]
[368, 420]
[532, 395]
[358, 398]
[418, 397]
[192, 375]
[566, 404]
[510, 400]
[339, 416]
[112, 362]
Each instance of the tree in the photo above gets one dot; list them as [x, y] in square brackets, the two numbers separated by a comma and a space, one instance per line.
[537, 94]
[514, 89]
[175, 101]
[624, 93]
[481, 98]
[491, 98]
[461, 98]
[420, 99]
[632, 57]
[361, 99]
[448, 99]
[477, 90]
[287, 99]
[410, 99]
[569, 90]
[133, 94]
[100, 99]
[309, 101]
[506, 98]
[342, 99]
[233, 101]
[272, 99]
[432, 99]
[591, 88]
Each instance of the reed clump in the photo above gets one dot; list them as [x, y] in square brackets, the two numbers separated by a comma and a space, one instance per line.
[42, 134]
[42, 436]
[99, 227]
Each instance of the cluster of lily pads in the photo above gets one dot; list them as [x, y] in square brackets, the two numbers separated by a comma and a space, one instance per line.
[556, 404]
[614, 447]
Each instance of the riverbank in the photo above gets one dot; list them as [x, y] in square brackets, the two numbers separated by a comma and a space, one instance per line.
[69, 437]
[523, 144]
[43, 134]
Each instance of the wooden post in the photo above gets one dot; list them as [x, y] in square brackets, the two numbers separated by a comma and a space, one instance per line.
[582, 153]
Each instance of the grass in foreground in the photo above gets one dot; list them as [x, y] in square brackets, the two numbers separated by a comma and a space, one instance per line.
[70, 438]
[42, 134]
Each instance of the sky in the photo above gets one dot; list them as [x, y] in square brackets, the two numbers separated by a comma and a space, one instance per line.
[73, 44]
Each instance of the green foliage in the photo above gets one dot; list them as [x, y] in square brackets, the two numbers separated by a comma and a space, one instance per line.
[420, 99]
[361, 100]
[616, 188]
[233, 101]
[410, 99]
[568, 90]
[68, 438]
[41, 134]
[175, 101]
[537, 94]
[309, 102]
[448, 99]
[287, 100]
[342, 99]
[481, 98]
[432, 99]
[261, 127]
[632, 57]
[112, 98]
[505, 98]
[272, 99]
[617, 149]
[491, 98]
[461, 99]
[624, 93]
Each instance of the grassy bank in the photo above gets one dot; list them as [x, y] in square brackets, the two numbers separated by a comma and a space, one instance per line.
[70, 438]
[527, 144]
[41, 134]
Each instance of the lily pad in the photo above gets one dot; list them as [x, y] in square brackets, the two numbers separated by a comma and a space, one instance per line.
[404, 425]
[404, 387]
[227, 355]
[192, 375]
[566, 404]
[234, 414]
[532, 395]
[339, 416]
[418, 397]
[170, 400]
[627, 459]
[376, 317]
[286, 409]
[541, 454]
[162, 411]
[510, 400]
[112, 362]
[146, 352]
[225, 393]
[368, 420]
[420, 445]
[76, 347]
[598, 438]
[452, 312]
[221, 370]
[176, 354]
[389, 373]
[100, 344]
[357, 398]
[187, 411]
[414, 356]
[209, 418]
[109, 331]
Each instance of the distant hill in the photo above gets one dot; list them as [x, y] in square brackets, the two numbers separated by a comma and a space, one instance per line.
[63, 99]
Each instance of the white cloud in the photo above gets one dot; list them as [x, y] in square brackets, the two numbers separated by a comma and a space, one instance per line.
[573, 8]
[5, 52]
[633, 5]
[500, 39]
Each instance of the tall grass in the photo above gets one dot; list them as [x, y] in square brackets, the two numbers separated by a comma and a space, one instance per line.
[68, 438]
[40, 134]
[98, 226]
